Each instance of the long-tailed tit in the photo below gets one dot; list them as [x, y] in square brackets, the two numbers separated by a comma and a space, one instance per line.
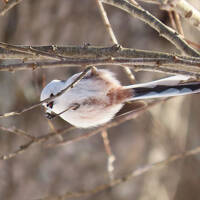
[96, 98]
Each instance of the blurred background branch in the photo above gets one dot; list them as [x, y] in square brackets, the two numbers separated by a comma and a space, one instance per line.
[135, 173]
[8, 5]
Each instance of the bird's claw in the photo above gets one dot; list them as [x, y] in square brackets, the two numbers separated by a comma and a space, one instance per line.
[49, 115]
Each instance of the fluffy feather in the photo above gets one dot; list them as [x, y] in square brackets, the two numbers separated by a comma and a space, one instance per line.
[99, 96]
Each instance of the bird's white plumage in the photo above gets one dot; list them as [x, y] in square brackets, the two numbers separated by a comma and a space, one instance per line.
[90, 94]
[100, 96]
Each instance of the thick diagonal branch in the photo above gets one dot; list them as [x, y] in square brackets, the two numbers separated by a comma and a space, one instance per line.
[156, 24]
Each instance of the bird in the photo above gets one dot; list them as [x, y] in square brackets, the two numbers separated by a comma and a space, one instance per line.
[99, 96]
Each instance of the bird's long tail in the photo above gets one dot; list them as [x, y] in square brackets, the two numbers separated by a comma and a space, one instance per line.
[167, 87]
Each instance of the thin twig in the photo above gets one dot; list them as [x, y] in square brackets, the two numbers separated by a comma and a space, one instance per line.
[21, 150]
[194, 44]
[38, 140]
[30, 50]
[167, 70]
[117, 121]
[86, 52]
[156, 24]
[46, 137]
[75, 62]
[14, 113]
[157, 2]
[171, 17]
[184, 8]
[52, 127]
[16, 131]
[9, 4]
[178, 23]
[111, 157]
[112, 36]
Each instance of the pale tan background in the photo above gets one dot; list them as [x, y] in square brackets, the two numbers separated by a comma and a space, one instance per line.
[168, 129]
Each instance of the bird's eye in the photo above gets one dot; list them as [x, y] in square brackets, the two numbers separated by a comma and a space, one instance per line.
[50, 104]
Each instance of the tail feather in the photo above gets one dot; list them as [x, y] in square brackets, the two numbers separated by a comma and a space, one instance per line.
[172, 80]
[160, 89]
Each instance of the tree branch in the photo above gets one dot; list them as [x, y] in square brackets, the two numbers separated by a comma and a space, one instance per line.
[42, 139]
[156, 24]
[113, 37]
[81, 52]
[14, 113]
[9, 4]
[185, 9]
[175, 61]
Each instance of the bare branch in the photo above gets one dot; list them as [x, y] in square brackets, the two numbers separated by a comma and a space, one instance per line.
[31, 50]
[194, 44]
[112, 36]
[49, 99]
[17, 132]
[42, 139]
[35, 141]
[178, 23]
[84, 52]
[167, 70]
[77, 62]
[185, 9]
[22, 149]
[172, 21]
[9, 4]
[117, 121]
[45, 138]
[111, 157]
[81, 52]
[156, 24]
[52, 127]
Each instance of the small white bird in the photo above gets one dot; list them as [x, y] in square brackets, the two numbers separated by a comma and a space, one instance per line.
[96, 98]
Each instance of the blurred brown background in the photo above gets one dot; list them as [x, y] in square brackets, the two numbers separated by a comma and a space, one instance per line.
[165, 130]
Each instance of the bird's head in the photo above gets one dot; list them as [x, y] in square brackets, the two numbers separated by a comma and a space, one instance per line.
[50, 90]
